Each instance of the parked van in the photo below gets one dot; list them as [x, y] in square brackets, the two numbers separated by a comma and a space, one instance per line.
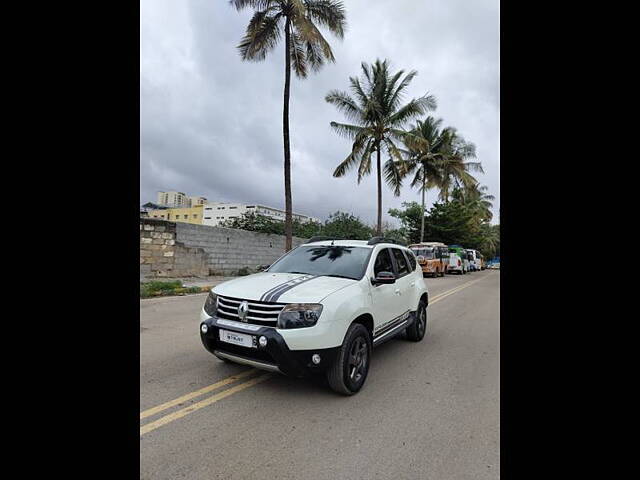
[458, 260]
[474, 260]
[433, 257]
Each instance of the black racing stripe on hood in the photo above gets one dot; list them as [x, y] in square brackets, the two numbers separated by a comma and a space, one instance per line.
[274, 296]
[272, 290]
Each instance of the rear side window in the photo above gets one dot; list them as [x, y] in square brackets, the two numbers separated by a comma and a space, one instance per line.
[383, 262]
[412, 259]
[403, 268]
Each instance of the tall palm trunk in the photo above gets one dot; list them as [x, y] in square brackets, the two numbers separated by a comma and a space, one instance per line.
[285, 134]
[424, 184]
[379, 232]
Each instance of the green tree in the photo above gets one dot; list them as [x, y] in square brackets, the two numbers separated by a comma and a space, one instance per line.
[410, 217]
[346, 225]
[260, 223]
[455, 165]
[304, 48]
[475, 196]
[426, 150]
[378, 116]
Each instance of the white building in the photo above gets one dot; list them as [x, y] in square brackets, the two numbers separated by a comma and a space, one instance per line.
[173, 199]
[217, 212]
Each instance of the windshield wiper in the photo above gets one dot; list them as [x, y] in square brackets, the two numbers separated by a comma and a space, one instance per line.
[339, 276]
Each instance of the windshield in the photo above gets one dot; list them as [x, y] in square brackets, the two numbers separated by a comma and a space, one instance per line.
[425, 252]
[338, 261]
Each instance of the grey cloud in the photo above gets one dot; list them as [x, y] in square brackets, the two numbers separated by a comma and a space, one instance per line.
[211, 124]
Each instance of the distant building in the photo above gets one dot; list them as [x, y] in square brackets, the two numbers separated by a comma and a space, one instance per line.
[186, 215]
[173, 199]
[217, 212]
[194, 201]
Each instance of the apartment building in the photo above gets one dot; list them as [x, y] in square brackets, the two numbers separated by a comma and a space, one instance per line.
[187, 215]
[173, 199]
[218, 212]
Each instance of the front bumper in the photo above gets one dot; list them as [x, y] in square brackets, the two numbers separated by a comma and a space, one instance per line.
[275, 356]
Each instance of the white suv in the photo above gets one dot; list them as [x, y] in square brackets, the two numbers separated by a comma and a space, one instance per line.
[320, 308]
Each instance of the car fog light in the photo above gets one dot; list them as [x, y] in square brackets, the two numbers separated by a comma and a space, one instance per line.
[262, 341]
[315, 358]
[204, 328]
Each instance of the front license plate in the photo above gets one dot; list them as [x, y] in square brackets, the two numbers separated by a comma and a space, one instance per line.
[236, 338]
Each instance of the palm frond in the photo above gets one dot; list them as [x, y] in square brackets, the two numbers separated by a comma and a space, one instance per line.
[345, 104]
[261, 40]
[347, 131]
[328, 13]
[255, 4]
[298, 56]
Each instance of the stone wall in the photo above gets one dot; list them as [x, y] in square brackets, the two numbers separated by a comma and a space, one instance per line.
[176, 249]
[162, 256]
[229, 250]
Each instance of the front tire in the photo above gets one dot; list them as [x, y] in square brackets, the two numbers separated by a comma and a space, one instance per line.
[349, 371]
[418, 328]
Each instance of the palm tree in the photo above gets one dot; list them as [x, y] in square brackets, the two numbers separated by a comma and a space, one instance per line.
[304, 48]
[426, 150]
[454, 165]
[475, 196]
[377, 116]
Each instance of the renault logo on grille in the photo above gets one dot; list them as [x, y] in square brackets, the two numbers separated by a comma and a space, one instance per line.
[243, 310]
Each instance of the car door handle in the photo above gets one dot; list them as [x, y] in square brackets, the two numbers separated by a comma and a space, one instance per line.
[412, 284]
[397, 292]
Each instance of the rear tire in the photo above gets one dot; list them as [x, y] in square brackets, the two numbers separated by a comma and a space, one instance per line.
[418, 328]
[349, 371]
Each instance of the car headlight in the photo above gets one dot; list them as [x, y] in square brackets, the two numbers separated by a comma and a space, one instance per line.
[299, 315]
[211, 305]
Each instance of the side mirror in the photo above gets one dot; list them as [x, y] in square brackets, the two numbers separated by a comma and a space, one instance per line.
[263, 268]
[384, 278]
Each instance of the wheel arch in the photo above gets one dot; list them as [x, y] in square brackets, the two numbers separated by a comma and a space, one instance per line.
[366, 320]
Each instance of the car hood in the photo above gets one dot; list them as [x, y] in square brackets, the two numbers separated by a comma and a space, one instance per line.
[282, 287]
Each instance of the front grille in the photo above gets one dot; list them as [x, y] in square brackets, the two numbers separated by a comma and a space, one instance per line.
[260, 313]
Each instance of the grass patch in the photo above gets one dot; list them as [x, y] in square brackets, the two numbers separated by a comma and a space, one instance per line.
[158, 288]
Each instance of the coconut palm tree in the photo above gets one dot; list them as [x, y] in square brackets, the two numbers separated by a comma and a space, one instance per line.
[426, 149]
[304, 48]
[475, 196]
[454, 165]
[377, 117]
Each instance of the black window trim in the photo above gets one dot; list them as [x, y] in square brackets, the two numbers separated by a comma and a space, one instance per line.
[395, 264]
[415, 260]
[393, 261]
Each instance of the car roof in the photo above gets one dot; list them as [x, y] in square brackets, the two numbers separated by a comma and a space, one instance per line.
[351, 243]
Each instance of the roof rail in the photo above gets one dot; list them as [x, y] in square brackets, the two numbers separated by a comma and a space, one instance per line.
[376, 240]
[322, 238]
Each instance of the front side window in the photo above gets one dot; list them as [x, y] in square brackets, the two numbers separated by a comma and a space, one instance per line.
[383, 262]
[327, 260]
[403, 268]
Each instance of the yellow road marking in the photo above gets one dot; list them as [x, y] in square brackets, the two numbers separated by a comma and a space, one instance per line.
[201, 404]
[219, 396]
[197, 393]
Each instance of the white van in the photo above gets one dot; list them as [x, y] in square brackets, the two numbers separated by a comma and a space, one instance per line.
[458, 261]
[474, 260]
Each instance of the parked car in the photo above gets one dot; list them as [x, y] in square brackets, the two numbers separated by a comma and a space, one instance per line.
[319, 309]
[495, 266]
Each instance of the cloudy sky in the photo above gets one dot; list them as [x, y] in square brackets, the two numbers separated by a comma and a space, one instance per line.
[211, 124]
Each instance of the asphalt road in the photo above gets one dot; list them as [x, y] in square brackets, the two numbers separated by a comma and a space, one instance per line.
[429, 410]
